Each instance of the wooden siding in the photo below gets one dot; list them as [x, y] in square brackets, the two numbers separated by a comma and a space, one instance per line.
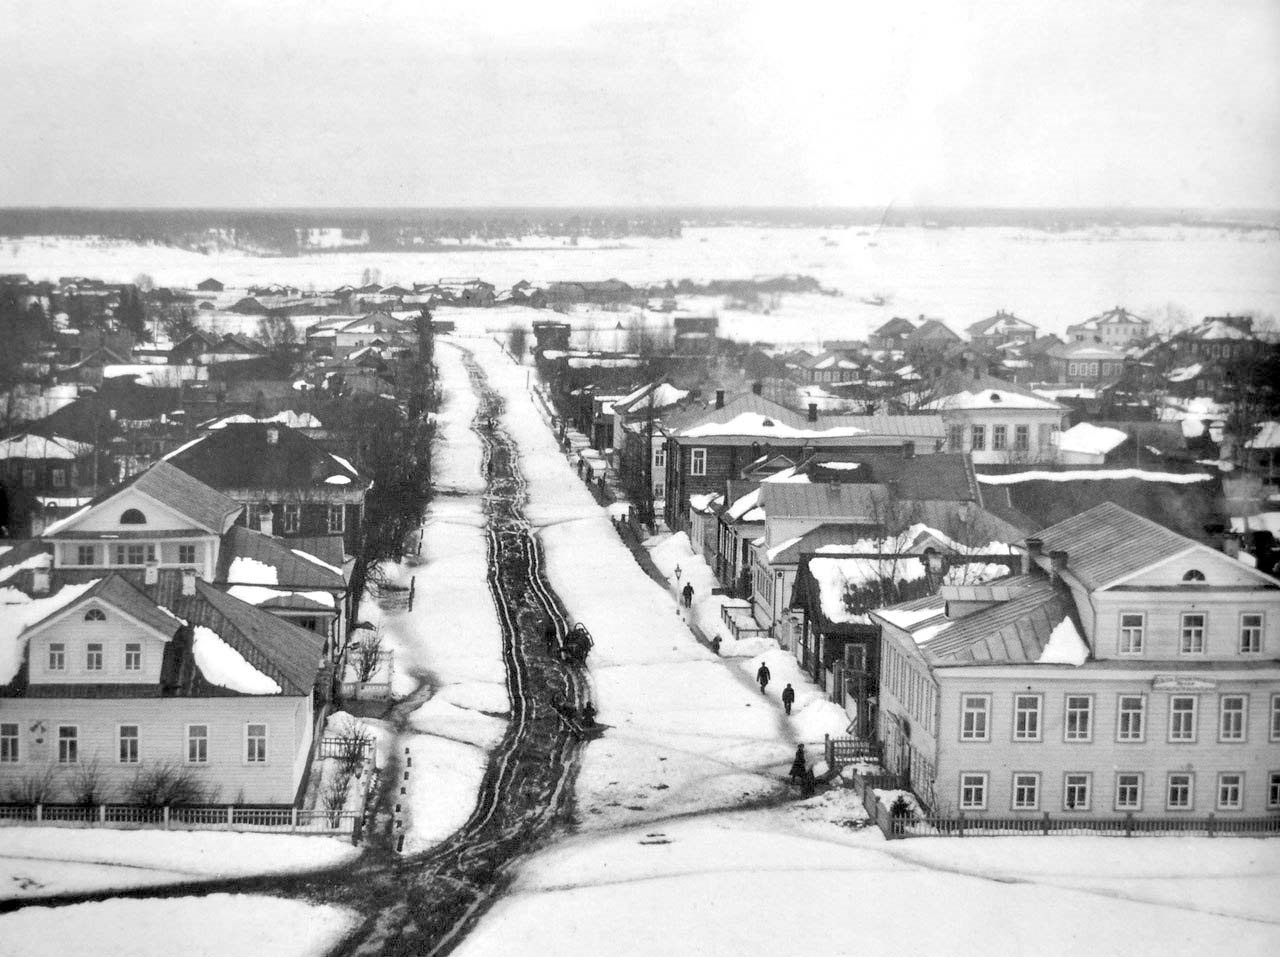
[162, 727]
[75, 634]
[1163, 623]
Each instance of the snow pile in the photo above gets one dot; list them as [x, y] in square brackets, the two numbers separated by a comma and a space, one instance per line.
[222, 665]
[1099, 475]
[742, 506]
[1088, 439]
[294, 420]
[344, 463]
[753, 423]
[1065, 646]
[250, 571]
[837, 576]
[260, 595]
[338, 480]
[16, 617]
[38, 560]
[906, 617]
[1268, 436]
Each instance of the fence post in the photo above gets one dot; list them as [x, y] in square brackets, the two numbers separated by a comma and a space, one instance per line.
[829, 751]
[1045, 826]
[166, 817]
[1128, 824]
[413, 583]
[293, 819]
[102, 814]
[39, 811]
[230, 815]
[1211, 824]
[960, 825]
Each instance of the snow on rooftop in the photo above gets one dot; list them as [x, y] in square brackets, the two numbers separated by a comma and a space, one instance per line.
[906, 617]
[260, 595]
[1184, 373]
[39, 560]
[42, 447]
[294, 420]
[778, 549]
[250, 571]
[16, 616]
[222, 665]
[1090, 439]
[315, 561]
[338, 480]
[1095, 475]
[992, 399]
[180, 449]
[753, 423]
[1268, 436]
[702, 501]
[836, 576]
[1065, 646]
[744, 505]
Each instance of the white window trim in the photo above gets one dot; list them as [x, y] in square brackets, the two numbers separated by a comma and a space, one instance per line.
[1195, 719]
[186, 743]
[102, 656]
[1115, 803]
[1066, 730]
[1217, 792]
[342, 524]
[59, 739]
[48, 658]
[986, 718]
[694, 456]
[1039, 735]
[1204, 633]
[1273, 719]
[1191, 791]
[266, 736]
[1013, 791]
[986, 790]
[17, 742]
[1262, 633]
[1140, 739]
[1142, 634]
[291, 518]
[1273, 790]
[1244, 718]
[142, 657]
[1088, 790]
[120, 740]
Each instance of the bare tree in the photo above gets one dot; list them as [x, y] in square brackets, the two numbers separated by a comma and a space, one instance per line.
[278, 334]
[517, 341]
[368, 656]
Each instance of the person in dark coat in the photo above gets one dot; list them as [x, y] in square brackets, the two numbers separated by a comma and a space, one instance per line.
[715, 644]
[798, 766]
[549, 636]
[588, 714]
[809, 783]
[788, 697]
[687, 595]
[763, 676]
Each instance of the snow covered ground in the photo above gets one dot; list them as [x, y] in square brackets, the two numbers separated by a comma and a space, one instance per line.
[42, 861]
[221, 925]
[662, 862]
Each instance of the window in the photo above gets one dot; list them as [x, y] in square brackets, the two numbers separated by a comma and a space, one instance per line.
[1230, 791]
[1026, 792]
[1131, 717]
[1021, 438]
[659, 458]
[698, 462]
[186, 554]
[659, 490]
[955, 438]
[68, 744]
[1233, 710]
[86, 555]
[1182, 718]
[58, 478]
[1193, 575]
[1079, 718]
[93, 656]
[974, 713]
[1075, 791]
[135, 554]
[1073, 368]
[1192, 642]
[256, 743]
[973, 792]
[1132, 632]
[133, 656]
[58, 657]
[1275, 717]
[128, 744]
[1250, 633]
[1273, 785]
[999, 437]
[9, 744]
[291, 518]
[198, 743]
[131, 516]
[28, 478]
[337, 519]
[95, 614]
[978, 438]
[1026, 717]
[1128, 791]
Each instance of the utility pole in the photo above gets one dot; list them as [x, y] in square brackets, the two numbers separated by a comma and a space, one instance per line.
[646, 507]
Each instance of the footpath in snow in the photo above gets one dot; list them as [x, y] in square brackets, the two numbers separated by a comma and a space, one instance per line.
[664, 861]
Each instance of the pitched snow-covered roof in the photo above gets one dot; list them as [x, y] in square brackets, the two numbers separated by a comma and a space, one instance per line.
[43, 447]
[1086, 438]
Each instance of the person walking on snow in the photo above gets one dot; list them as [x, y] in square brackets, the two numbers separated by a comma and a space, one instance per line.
[687, 595]
[798, 766]
[763, 676]
[788, 697]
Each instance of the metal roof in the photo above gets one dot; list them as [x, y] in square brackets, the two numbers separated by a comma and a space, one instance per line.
[1108, 542]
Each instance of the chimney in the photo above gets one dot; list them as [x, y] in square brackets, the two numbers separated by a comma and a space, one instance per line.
[813, 412]
[1231, 545]
[40, 581]
[908, 450]
[1057, 562]
[719, 398]
[188, 581]
[151, 573]
[1034, 549]
[757, 388]
[273, 436]
[266, 522]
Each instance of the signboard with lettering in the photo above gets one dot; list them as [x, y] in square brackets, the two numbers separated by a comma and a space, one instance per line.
[1182, 683]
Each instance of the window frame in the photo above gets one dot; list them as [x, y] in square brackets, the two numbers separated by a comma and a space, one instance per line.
[1195, 718]
[1273, 790]
[203, 740]
[1035, 778]
[1242, 713]
[95, 660]
[86, 550]
[95, 615]
[125, 659]
[1022, 438]
[1123, 631]
[1273, 730]
[955, 438]
[977, 438]
[136, 741]
[1020, 735]
[659, 457]
[1087, 777]
[1203, 629]
[999, 438]
[984, 785]
[1261, 631]
[290, 518]
[965, 736]
[263, 753]
[341, 527]
[58, 648]
[10, 743]
[1121, 711]
[698, 462]
[1137, 806]
[186, 549]
[73, 740]
[1068, 736]
[1191, 791]
[1218, 803]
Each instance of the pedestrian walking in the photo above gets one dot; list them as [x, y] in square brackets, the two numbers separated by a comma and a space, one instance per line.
[788, 697]
[715, 644]
[763, 676]
[589, 714]
[687, 594]
[808, 784]
[798, 766]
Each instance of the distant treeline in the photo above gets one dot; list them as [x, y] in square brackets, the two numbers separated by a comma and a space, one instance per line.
[389, 229]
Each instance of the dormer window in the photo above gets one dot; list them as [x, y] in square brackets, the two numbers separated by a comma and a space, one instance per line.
[131, 516]
[95, 614]
[1193, 575]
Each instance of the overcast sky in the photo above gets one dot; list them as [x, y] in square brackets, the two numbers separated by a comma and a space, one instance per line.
[697, 102]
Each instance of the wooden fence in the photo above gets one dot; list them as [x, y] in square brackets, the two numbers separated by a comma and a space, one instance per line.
[842, 751]
[289, 820]
[332, 747]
